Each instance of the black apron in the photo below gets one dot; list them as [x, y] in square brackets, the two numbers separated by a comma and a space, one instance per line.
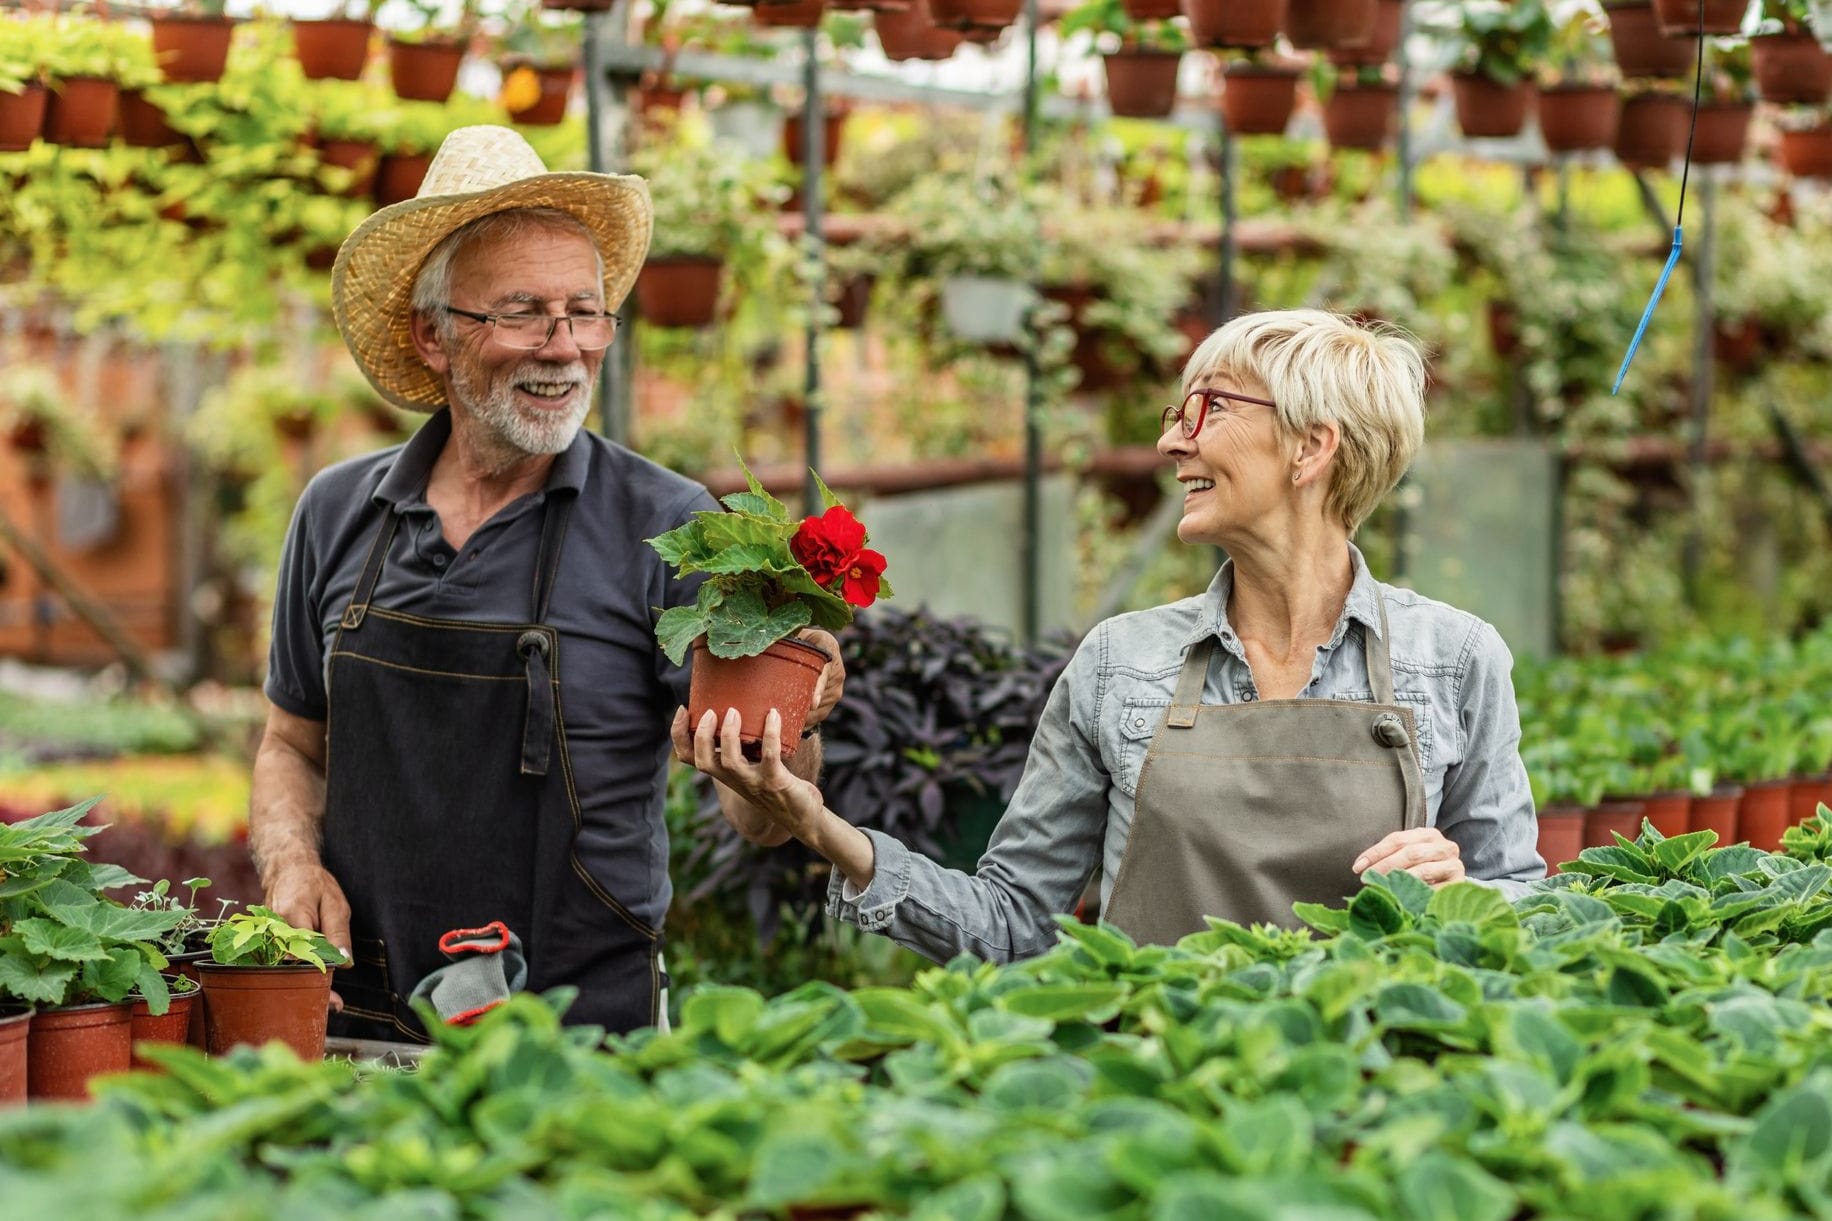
[449, 803]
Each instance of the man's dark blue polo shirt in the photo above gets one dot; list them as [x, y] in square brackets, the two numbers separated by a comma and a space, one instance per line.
[617, 689]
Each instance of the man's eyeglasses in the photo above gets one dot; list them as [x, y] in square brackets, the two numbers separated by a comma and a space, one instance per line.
[1190, 420]
[527, 332]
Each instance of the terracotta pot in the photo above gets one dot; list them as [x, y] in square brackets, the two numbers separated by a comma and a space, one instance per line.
[68, 1046]
[679, 290]
[172, 1026]
[549, 109]
[1258, 99]
[580, 6]
[1486, 110]
[1142, 84]
[1805, 797]
[398, 177]
[28, 436]
[1723, 133]
[186, 964]
[969, 15]
[1670, 812]
[1807, 154]
[656, 98]
[22, 117]
[143, 124]
[852, 300]
[782, 677]
[334, 49]
[1736, 344]
[790, 15]
[15, 1026]
[913, 34]
[1319, 24]
[1791, 69]
[360, 157]
[1620, 817]
[1763, 816]
[1561, 835]
[1678, 18]
[795, 140]
[1361, 116]
[1152, 10]
[424, 71]
[1503, 328]
[1578, 118]
[191, 49]
[1651, 131]
[1235, 23]
[1089, 356]
[1382, 40]
[1642, 50]
[252, 1006]
[1718, 812]
[81, 112]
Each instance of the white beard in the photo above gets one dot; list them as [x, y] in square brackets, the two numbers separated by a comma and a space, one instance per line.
[493, 403]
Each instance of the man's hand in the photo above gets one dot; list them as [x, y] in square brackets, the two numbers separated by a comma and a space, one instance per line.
[307, 896]
[832, 681]
[782, 803]
[1423, 852]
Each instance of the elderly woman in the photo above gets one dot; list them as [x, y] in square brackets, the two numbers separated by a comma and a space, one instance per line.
[1263, 743]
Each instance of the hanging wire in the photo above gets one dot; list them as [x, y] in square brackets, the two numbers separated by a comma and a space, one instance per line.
[1685, 173]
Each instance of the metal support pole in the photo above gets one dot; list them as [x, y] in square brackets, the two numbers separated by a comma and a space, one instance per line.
[814, 139]
[605, 148]
[1033, 378]
[1225, 302]
[1405, 111]
[1703, 374]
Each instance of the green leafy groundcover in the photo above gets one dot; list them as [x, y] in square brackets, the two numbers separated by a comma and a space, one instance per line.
[1646, 1037]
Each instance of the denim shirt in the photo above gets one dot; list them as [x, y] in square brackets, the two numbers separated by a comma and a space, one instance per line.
[1072, 810]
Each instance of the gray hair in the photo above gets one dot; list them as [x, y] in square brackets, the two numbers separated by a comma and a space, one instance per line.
[432, 284]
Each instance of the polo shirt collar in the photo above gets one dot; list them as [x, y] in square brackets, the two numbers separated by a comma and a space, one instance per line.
[1362, 606]
[404, 483]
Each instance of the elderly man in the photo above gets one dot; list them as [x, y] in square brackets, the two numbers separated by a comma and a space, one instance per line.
[469, 717]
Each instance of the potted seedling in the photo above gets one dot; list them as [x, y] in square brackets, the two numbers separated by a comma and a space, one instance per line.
[409, 135]
[423, 62]
[1578, 103]
[267, 981]
[337, 47]
[1726, 104]
[979, 242]
[191, 40]
[1791, 67]
[768, 576]
[1140, 58]
[1360, 105]
[184, 945]
[1651, 130]
[83, 64]
[1500, 46]
[1640, 47]
[539, 57]
[43, 423]
[1259, 93]
[347, 121]
[23, 46]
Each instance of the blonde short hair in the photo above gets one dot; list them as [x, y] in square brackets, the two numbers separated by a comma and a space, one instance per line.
[1319, 367]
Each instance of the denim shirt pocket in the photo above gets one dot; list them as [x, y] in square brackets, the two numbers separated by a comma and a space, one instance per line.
[1420, 704]
[1138, 724]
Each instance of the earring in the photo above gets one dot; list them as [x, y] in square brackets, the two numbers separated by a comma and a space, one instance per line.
[1297, 476]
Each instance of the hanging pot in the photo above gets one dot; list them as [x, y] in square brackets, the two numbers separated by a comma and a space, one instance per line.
[424, 71]
[1723, 133]
[143, 124]
[1381, 42]
[1089, 355]
[1652, 130]
[81, 112]
[679, 290]
[1642, 50]
[360, 157]
[1791, 69]
[1736, 345]
[191, 50]
[1807, 154]
[1679, 18]
[975, 16]
[1257, 99]
[549, 106]
[22, 117]
[1152, 10]
[1321, 24]
[1561, 835]
[782, 677]
[172, 1026]
[398, 177]
[851, 299]
[1578, 118]
[789, 14]
[1235, 23]
[1718, 812]
[334, 49]
[254, 1006]
[913, 34]
[755, 128]
[795, 140]
[1487, 110]
[68, 1046]
[580, 6]
[1142, 84]
[1360, 116]
[1763, 816]
[985, 309]
[15, 1028]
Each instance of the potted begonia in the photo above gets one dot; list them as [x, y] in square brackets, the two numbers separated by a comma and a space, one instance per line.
[267, 981]
[768, 576]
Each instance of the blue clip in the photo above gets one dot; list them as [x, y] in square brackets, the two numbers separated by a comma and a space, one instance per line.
[1660, 286]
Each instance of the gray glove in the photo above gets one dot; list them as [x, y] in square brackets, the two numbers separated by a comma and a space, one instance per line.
[486, 967]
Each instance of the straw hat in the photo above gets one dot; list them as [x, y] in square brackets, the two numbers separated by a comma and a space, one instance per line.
[477, 171]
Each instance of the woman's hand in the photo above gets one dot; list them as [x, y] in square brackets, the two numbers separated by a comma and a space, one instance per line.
[1423, 852]
[782, 804]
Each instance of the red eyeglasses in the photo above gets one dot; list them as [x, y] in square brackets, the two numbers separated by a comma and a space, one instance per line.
[1205, 401]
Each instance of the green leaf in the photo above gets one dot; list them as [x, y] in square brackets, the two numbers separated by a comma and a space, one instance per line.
[1054, 1084]
[677, 629]
[728, 1012]
[1092, 1002]
[31, 983]
[59, 941]
[744, 627]
[150, 984]
[1438, 1187]
[1674, 854]
[1472, 902]
[828, 499]
[775, 507]
[1374, 913]
[1792, 1138]
[980, 1198]
[1534, 1034]
[1416, 1007]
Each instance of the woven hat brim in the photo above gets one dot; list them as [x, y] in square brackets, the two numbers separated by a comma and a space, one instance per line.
[372, 280]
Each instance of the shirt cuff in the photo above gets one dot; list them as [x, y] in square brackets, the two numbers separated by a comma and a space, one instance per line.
[873, 908]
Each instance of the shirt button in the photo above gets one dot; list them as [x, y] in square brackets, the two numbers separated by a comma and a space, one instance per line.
[439, 561]
[1249, 697]
[1138, 722]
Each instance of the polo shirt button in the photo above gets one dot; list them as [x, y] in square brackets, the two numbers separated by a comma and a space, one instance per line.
[439, 561]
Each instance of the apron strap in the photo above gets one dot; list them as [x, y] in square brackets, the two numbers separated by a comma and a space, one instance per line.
[537, 727]
[1190, 682]
[372, 571]
[1379, 656]
[547, 563]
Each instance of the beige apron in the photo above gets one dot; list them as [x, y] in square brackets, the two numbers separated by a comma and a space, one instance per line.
[1245, 809]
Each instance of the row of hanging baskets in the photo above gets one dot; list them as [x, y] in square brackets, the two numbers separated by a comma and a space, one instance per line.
[1353, 31]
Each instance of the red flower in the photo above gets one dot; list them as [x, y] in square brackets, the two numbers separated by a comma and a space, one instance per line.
[861, 580]
[828, 545]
